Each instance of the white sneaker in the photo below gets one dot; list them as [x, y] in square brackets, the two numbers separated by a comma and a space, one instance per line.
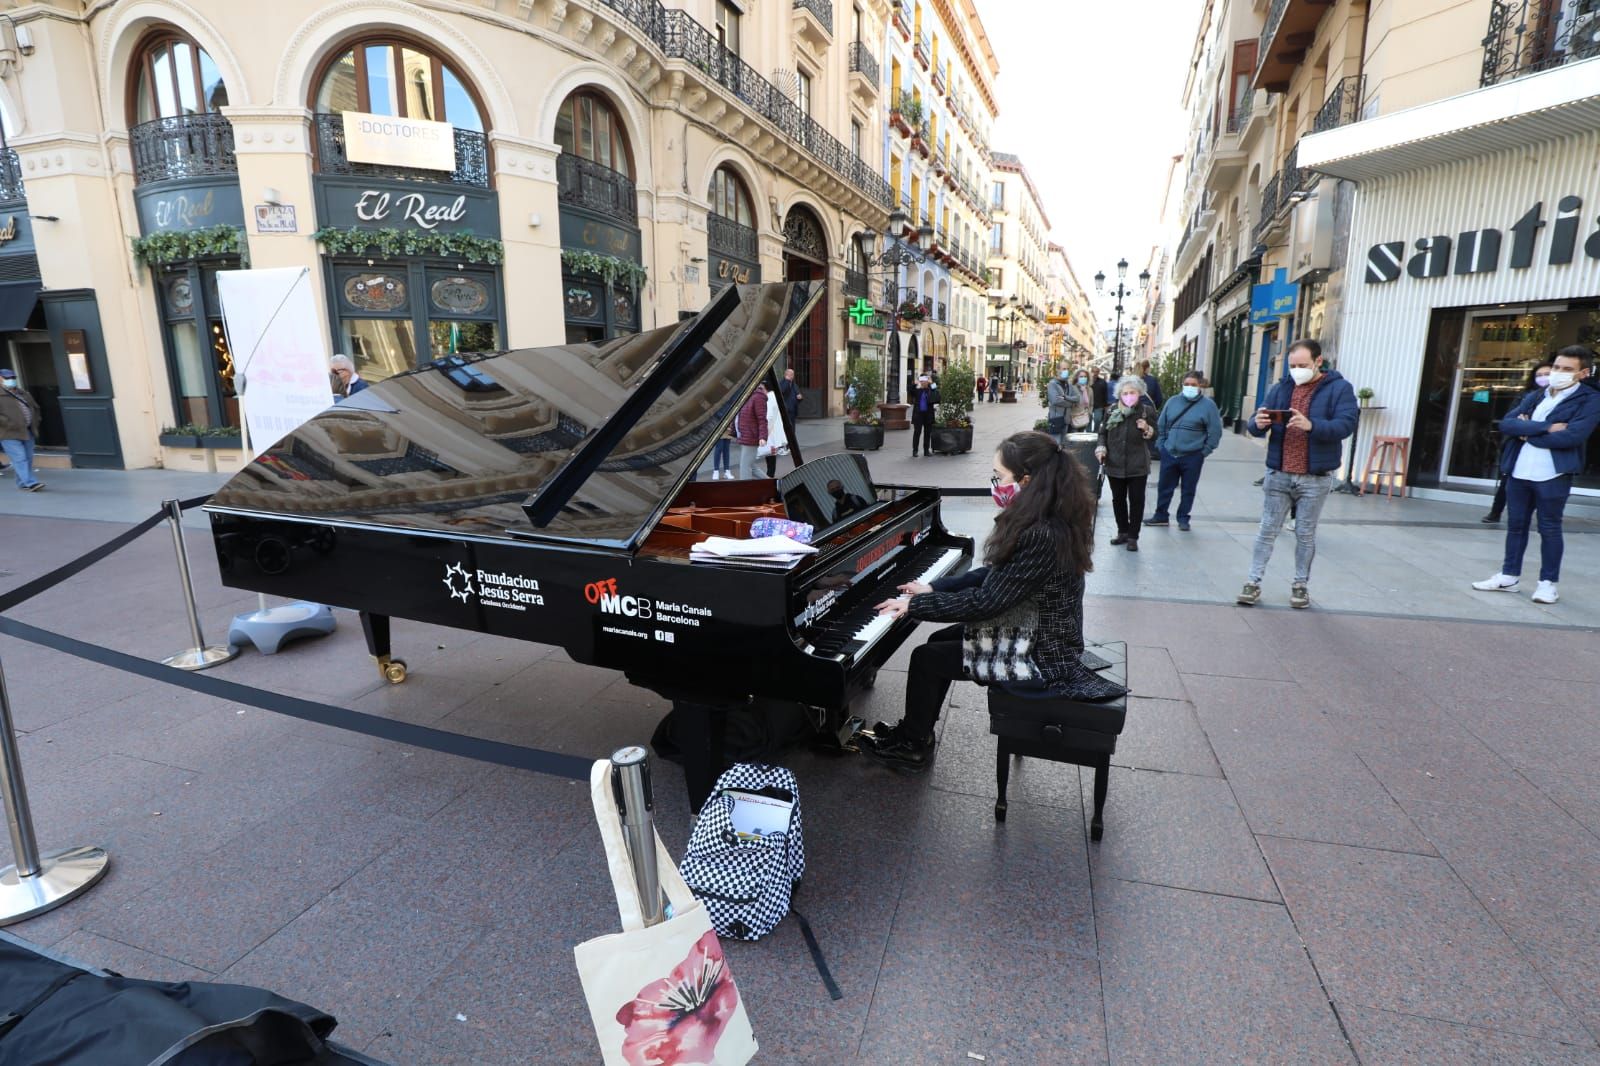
[716, 475]
[1498, 583]
[1546, 593]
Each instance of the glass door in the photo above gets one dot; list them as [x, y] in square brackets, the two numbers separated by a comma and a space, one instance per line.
[1498, 353]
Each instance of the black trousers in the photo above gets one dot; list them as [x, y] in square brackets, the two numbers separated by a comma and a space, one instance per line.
[921, 434]
[1127, 503]
[933, 667]
[772, 466]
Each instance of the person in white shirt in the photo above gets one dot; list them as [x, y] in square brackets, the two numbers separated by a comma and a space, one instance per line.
[1548, 430]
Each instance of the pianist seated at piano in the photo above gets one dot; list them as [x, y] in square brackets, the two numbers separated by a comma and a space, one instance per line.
[1018, 619]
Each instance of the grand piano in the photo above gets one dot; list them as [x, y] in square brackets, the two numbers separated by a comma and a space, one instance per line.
[546, 494]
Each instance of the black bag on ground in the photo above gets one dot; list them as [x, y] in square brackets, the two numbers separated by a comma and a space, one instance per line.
[759, 733]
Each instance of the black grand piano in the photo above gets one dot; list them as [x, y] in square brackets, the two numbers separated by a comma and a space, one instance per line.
[545, 494]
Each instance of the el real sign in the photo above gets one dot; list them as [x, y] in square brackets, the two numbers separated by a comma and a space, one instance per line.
[1478, 251]
[388, 140]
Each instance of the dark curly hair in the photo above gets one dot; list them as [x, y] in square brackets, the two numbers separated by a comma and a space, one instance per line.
[1056, 499]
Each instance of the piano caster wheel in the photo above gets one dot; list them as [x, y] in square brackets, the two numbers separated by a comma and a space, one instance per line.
[869, 680]
[1097, 829]
[392, 670]
[999, 812]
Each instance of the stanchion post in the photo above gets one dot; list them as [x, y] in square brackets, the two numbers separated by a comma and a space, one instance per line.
[35, 883]
[199, 656]
[630, 780]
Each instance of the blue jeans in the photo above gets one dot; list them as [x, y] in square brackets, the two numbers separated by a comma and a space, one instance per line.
[721, 452]
[1176, 471]
[1304, 494]
[20, 452]
[1523, 500]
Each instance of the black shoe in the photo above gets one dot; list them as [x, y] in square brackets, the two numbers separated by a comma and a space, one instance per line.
[1156, 522]
[1133, 545]
[1490, 519]
[899, 752]
[1183, 527]
[1120, 538]
[913, 455]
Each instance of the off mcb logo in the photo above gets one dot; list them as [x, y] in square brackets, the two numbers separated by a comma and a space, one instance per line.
[604, 594]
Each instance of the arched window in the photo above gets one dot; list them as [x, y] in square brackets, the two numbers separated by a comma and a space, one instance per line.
[589, 126]
[384, 76]
[176, 77]
[729, 198]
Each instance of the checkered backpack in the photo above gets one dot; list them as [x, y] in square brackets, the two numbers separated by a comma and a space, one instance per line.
[745, 884]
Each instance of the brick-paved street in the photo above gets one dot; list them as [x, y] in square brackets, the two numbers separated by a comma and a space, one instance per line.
[1366, 832]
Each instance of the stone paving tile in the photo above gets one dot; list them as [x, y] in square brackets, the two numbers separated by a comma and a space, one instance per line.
[1577, 794]
[1165, 735]
[107, 954]
[109, 789]
[1401, 932]
[1197, 978]
[1179, 831]
[1383, 1038]
[1153, 675]
[1437, 761]
[1556, 735]
[387, 1047]
[939, 1001]
[360, 962]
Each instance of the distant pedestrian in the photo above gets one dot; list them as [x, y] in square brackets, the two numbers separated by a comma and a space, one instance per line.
[1538, 381]
[344, 371]
[982, 384]
[1124, 454]
[777, 440]
[1152, 384]
[1101, 393]
[750, 430]
[1307, 417]
[1060, 397]
[924, 403]
[19, 428]
[789, 392]
[1080, 412]
[721, 457]
[1549, 430]
[1189, 429]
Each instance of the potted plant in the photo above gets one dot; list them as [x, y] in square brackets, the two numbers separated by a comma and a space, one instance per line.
[863, 430]
[911, 311]
[184, 436]
[1364, 394]
[220, 437]
[952, 429]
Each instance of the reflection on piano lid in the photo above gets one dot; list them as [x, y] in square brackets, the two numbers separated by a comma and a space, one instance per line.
[828, 492]
[586, 442]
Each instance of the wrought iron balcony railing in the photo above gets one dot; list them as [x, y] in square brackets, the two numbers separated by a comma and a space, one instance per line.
[1525, 36]
[1269, 208]
[855, 282]
[183, 146]
[10, 177]
[472, 157]
[863, 62]
[586, 184]
[729, 238]
[1239, 117]
[1342, 107]
[1270, 29]
[922, 49]
[823, 9]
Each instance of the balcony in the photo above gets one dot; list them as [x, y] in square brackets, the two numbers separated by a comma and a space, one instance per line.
[855, 282]
[1291, 27]
[472, 156]
[1526, 36]
[588, 186]
[10, 177]
[863, 72]
[902, 19]
[923, 50]
[813, 21]
[1342, 107]
[183, 146]
[728, 238]
[1279, 193]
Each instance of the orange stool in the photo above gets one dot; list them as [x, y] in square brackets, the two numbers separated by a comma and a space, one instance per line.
[1392, 456]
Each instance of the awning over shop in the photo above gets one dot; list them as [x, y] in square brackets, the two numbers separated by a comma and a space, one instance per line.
[17, 302]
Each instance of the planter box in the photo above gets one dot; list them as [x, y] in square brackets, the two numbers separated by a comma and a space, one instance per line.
[860, 437]
[1008, 396]
[225, 442]
[895, 416]
[179, 440]
[951, 440]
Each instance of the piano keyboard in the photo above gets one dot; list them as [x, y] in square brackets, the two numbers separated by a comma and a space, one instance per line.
[855, 629]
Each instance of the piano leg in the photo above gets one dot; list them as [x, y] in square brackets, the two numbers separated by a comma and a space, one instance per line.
[375, 627]
[701, 729]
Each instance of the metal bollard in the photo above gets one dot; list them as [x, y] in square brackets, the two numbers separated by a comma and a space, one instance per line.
[630, 782]
[200, 656]
[35, 883]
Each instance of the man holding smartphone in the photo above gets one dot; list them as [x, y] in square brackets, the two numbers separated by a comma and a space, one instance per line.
[1306, 419]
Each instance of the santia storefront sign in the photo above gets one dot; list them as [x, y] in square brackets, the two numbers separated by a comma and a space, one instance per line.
[1478, 251]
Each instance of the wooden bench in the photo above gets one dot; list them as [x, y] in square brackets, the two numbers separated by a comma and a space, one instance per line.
[1062, 730]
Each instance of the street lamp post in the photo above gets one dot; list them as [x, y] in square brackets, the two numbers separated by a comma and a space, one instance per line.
[1121, 292]
[895, 257]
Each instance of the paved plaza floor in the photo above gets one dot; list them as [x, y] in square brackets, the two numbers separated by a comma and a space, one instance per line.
[1367, 832]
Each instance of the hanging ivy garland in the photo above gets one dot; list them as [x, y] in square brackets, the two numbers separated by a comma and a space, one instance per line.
[159, 248]
[391, 243]
[607, 268]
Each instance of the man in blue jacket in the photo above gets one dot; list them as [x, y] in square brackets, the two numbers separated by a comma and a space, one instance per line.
[1306, 419]
[1547, 431]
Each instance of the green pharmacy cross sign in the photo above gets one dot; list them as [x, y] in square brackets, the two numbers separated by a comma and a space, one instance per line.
[862, 312]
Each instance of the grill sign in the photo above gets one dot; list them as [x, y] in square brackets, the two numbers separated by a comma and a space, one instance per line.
[1478, 251]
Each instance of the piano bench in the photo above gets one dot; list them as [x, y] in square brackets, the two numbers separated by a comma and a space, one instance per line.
[1061, 730]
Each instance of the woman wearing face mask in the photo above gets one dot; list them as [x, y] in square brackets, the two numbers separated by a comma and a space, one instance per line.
[1124, 452]
[1189, 429]
[1538, 381]
[1080, 413]
[1031, 591]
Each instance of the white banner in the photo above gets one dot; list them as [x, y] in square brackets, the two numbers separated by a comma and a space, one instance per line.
[399, 142]
[280, 349]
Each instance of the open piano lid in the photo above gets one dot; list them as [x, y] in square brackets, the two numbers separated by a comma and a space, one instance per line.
[582, 443]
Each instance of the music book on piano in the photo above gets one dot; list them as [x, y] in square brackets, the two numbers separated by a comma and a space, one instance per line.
[777, 546]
